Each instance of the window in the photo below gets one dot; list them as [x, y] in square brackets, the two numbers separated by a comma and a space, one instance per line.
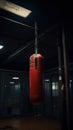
[47, 87]
[55, 89]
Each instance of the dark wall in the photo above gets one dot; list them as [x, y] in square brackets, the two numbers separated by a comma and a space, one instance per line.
[14, 95]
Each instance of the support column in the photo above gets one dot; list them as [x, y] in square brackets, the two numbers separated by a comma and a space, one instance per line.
[67, 88]
[61, 82]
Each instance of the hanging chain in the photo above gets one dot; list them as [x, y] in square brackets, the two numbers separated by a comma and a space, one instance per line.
[36, 39]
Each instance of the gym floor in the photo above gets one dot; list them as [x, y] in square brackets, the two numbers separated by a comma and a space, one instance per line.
[29, 123]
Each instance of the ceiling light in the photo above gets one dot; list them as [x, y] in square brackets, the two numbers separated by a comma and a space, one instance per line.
[70, 80]
[15, 78]
[13, 8]
[47, 80]
[1, 46]
[11, 82]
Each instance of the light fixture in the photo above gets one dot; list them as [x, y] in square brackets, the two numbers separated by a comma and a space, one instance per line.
[70, 80]
[11, 82]
[15, 78]
[47, 80]
[13, 8]
[1, 46]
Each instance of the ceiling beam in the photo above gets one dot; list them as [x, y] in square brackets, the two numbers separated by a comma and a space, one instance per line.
[22, 24]
[18, 51]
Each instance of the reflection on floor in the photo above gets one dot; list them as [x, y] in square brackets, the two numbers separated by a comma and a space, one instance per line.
[29, 124]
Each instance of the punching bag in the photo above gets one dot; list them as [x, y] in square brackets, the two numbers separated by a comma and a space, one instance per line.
[36, 93]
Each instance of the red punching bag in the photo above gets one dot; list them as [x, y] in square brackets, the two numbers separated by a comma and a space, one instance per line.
[36, 94]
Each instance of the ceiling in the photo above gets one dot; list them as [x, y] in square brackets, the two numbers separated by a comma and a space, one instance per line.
[17, 34]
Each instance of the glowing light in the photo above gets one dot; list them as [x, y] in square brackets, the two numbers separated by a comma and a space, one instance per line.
[47, 80]
[13, 8]
[11, 82]
[1, 46]
[15, 78]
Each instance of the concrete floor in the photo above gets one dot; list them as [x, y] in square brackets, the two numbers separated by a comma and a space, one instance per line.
[29, 123]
